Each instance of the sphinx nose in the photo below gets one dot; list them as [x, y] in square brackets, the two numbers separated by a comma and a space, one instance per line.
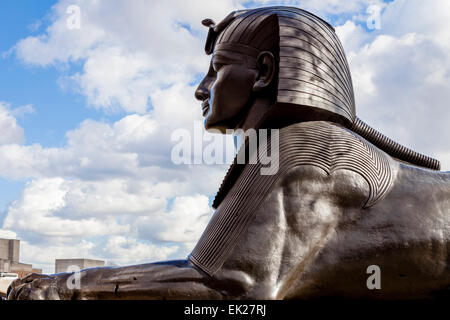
[201, 93]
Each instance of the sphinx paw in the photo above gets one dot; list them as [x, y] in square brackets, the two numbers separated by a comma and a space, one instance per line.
[33, 287]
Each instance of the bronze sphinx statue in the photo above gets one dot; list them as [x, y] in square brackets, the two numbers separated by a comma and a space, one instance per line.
[344, 197]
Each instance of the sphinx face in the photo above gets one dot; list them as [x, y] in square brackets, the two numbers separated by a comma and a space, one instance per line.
[226, 91]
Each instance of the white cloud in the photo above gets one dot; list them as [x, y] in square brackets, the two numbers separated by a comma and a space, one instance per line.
[352, 36]
[401, 75]
[128, 51]
[11, 132]
[110, 180]
[114, 79]
[44, 255]
[21, 111]
[7, 234]
[337, 11]
[65, 218]
[401, 17]
[125, 251]
[183, 223]
[37, 212]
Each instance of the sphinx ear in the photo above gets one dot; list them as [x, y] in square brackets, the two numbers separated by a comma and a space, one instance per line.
[266, 67]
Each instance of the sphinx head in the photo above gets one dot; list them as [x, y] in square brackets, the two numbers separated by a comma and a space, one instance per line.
[285, 61]
[242, 70]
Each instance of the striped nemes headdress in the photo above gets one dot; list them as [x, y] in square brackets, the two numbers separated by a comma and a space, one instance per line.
[313, 81]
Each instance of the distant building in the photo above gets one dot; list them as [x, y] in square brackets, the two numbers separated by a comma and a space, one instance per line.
[9, 259]
[65, 265]
[10, 267]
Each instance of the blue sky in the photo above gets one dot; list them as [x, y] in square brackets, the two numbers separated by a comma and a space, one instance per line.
[22, 85]
[19, 85]
[55, 110]
[92, 176]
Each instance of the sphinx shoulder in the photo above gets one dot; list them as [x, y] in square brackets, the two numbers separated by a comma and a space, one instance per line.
[343, 157]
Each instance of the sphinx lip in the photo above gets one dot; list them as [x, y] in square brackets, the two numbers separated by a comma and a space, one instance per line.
[205, 107]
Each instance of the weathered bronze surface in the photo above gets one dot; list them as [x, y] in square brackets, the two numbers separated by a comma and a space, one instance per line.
[345, 197]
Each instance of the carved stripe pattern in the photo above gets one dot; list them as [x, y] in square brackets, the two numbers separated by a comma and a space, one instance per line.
[321, 144]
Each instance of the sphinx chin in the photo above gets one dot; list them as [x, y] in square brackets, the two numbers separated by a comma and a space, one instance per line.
[222, 126]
